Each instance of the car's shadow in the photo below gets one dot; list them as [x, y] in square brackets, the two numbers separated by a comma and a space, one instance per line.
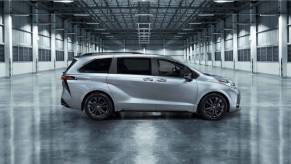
[155, 115]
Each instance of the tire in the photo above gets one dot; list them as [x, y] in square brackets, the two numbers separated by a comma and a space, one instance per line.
[98, 106]
[213, 107]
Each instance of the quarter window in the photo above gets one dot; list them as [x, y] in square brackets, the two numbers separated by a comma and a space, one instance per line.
[136, 66]
[171, 69]
[97, 66]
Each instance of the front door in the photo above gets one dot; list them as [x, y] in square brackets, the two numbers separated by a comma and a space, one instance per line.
[173, 92]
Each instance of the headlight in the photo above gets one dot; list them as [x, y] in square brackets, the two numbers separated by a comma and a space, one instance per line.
[227, 83]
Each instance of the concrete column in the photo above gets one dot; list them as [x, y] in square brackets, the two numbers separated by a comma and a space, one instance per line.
[195, 49]
[66, 27]
[76, 44]
[205, 47]
[222, 48]
[185, 50]
[35, 39]
[8, 38]
[253, 38]
[88, 41]
[101, 44]
[234, 39]
[191, 49]
[83, 40]
[199, 48]
[212, 44]
[97, 43]
[283, 36]
[164, 47]
[53, 38]
[124, 45]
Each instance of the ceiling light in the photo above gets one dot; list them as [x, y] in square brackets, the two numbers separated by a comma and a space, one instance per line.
[206, 15]
[105, 33]
[243, 24]
[100, 29]
[21, 15]
[81, 15]
[144, 15]
[228, 29]
[182, 33]
[268, 15]
[60, 29]
[223, 1]
[63, 1]
[92, 23]
[44, 24]
[187, 29]
[195, 23]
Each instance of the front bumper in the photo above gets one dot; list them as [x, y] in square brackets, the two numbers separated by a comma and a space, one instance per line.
[234, 104]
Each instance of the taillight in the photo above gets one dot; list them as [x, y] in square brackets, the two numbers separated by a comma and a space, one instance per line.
[66, 77]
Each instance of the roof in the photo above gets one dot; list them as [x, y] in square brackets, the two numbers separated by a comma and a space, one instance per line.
[119, 54]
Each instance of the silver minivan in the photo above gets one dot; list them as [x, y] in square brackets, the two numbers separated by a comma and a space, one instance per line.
[102, 84]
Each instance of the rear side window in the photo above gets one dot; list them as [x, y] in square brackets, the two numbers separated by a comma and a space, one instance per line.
[97, 66]
[135, 66]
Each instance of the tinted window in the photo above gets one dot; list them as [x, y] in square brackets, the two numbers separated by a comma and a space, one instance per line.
[137, 66]
[167, 68]
[97, 66]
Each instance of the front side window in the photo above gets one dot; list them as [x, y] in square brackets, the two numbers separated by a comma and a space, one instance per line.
[171, 69]
[97, 66]
[135, 66]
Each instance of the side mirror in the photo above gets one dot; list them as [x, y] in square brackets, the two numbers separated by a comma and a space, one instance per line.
[188, 77]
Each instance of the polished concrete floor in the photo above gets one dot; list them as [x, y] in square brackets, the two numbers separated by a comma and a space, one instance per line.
[34, 128]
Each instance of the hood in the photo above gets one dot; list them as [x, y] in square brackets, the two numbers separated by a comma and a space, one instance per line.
[219, 79]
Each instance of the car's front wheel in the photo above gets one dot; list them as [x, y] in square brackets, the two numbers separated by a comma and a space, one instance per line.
[98, 106]
[213, 107]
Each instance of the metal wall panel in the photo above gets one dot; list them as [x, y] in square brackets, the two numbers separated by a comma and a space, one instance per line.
[59, 44]
[44, 42]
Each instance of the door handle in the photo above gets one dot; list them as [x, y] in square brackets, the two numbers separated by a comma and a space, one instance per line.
[148, 79]
[162, 80]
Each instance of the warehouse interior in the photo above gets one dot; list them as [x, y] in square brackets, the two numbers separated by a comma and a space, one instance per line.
[247, 41]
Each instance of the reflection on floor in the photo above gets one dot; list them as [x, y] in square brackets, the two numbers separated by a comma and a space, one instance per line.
[34, 128]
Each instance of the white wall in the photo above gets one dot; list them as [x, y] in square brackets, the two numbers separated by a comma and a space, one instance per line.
[2, 69]
[289, 69]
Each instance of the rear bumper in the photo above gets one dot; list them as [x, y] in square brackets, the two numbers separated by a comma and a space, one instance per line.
[63, 103]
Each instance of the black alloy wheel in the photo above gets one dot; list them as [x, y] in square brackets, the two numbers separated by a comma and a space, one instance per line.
[213, 106]
[98, 106]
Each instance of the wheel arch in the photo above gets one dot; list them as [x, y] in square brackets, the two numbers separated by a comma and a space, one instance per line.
[96, 91]
[214, 92]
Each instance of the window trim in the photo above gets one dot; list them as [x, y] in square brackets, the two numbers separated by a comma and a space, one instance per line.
[115, 64]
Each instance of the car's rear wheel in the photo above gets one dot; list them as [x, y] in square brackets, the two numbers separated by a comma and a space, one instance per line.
[98, 106]
[213, 107]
